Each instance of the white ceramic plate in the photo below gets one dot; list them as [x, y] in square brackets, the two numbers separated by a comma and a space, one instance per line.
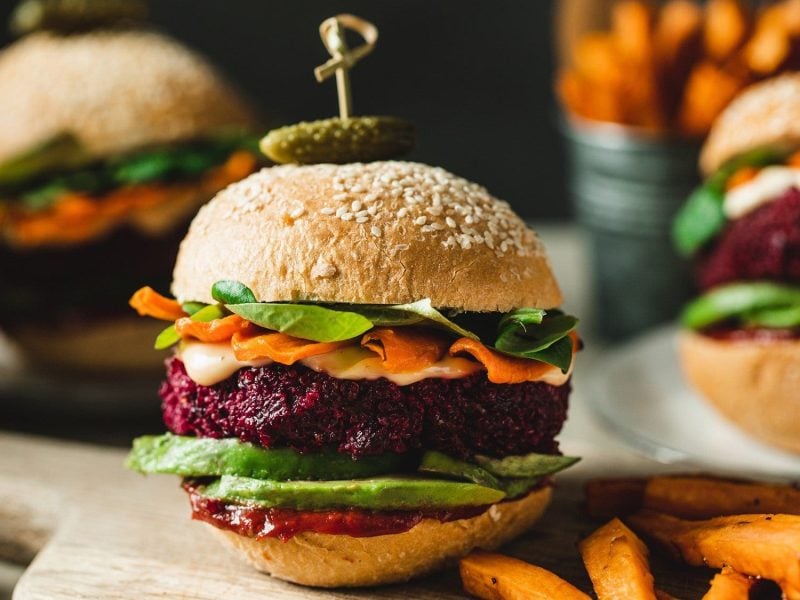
[638, 391]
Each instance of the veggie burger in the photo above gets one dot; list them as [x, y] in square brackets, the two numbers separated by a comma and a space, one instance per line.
[369, 372]
[741, 349]
[110, 140]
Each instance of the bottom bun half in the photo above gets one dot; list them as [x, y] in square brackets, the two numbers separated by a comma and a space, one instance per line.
[754, 383]
[112, 346]
[324, 560]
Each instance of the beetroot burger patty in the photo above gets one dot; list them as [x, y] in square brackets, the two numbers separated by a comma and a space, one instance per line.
[764, 244]
[294, 406]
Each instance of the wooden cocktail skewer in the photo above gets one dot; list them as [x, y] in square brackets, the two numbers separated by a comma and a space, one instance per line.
[332, 32]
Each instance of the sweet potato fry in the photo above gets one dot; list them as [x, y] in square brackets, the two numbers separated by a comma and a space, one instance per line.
[677, 30]
[726, 27]
[662, 595]
[729, 585]
[498, 577]
[632, 28]
[616, 561]
[708, 91]
[706, 497]
[766, 546]
[677, 47]
[607, 498]
[770, 45]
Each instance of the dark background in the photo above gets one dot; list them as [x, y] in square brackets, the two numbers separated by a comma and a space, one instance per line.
[475, 77]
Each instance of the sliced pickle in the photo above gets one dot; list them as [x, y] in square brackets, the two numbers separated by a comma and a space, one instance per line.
[67, 16]
[60, 153]
[357, 139]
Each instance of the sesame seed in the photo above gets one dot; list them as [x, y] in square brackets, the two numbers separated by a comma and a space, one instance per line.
[387, 192]
[375, 231]
[297, 212]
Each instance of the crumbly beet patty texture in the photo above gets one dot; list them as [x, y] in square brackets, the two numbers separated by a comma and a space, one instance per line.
[294, 406]
[764, 244]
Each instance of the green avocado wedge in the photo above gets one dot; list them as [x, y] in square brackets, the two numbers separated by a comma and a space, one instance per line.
[60, 153]
[442, 464]
[758, 303]
[385, 493]
[202, 457]
[528, 465]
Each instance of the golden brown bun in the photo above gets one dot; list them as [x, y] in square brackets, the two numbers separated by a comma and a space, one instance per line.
[766, 114]
[404, 231]
[115, 91]
[118, 346]
[324, 560]
[755, 384]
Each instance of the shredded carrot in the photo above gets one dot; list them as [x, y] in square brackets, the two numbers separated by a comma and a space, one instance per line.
[149, 303]
[218, 330]
[741, 176]
[501, 368]
[406, 349]
[794, 160]
[76, 217]
[280, 347]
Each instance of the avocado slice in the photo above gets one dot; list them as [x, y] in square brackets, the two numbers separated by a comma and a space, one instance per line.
[442, 464]
[385, 493]
[202, 457]
[60, 153]
[527, 465]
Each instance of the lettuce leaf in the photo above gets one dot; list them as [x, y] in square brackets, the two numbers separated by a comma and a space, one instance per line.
[537, 335]
[759, 303]
[306, 321]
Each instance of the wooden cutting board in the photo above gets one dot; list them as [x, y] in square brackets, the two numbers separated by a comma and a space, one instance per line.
[95, 530]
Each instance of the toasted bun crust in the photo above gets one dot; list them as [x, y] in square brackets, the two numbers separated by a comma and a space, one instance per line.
[376, 233]
[114, 90]
[324, 560]
[755, 384]
[118, 346]
[765, 114]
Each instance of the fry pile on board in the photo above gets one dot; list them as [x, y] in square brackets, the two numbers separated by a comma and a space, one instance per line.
[749, 532]
[673, 69]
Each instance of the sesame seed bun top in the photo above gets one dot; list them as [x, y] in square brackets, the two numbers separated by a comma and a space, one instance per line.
[375, 233]
[766, 114]
[114, 90]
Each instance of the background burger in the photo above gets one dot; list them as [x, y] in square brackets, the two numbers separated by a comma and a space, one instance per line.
[110, 140]
[742, 228]
[369, 375]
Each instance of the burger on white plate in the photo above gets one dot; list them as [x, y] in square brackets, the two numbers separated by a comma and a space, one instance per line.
[370, 371]
[741, 347]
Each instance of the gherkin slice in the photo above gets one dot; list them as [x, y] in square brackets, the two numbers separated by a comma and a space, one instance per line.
[67, 16]
[357, 139]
